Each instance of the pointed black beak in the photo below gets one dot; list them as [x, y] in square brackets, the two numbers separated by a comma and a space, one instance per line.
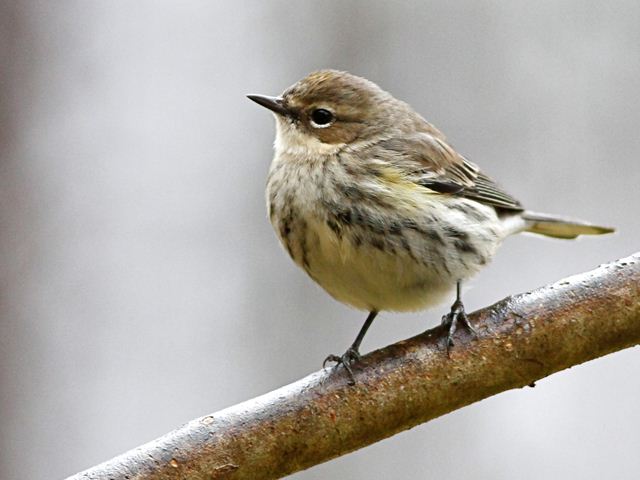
[275, 104]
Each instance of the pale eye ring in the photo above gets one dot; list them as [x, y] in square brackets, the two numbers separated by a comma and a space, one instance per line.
[321, 118]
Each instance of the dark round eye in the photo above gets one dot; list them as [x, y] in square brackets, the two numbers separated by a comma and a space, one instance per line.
[321, 117]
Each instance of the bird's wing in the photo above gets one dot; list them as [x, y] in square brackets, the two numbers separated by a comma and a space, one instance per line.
[432, 163]
[489, 192]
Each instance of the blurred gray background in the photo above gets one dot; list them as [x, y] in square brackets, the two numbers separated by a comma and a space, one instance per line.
[142, 286]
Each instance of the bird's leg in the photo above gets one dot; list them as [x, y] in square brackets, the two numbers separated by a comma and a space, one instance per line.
[352, 354]
[457, 314]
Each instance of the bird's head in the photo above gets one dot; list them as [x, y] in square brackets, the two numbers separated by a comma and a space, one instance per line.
[329, 109]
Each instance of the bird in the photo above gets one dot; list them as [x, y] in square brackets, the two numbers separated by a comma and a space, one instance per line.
[378, 208]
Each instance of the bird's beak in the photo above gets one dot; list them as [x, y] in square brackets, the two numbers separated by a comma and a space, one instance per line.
[275, 104]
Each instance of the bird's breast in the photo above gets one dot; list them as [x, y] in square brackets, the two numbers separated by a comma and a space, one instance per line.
[371, 242]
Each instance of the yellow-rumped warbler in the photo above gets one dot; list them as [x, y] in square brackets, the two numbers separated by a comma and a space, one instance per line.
[373, 203]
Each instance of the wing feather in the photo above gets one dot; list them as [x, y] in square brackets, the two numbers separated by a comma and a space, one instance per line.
[431, 162]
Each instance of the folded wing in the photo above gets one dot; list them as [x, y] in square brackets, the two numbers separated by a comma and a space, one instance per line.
[431, 162]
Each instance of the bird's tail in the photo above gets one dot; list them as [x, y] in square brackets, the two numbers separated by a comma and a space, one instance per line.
[560, 227]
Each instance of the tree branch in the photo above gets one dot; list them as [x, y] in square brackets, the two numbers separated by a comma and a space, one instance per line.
[521, 339]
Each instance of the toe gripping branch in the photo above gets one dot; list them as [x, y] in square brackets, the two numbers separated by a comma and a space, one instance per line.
[457, 314]
[347, 359]
[352, 355]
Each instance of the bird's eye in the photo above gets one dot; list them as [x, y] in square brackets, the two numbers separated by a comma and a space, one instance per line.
[321, 118]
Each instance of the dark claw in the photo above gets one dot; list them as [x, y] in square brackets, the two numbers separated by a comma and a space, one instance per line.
[330, 358]
[346, 360]
[457, 314]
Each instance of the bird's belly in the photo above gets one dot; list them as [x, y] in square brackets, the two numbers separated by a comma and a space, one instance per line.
[373, 275]
[369, 279]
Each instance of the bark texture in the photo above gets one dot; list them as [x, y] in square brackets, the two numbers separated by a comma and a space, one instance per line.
[521, 339]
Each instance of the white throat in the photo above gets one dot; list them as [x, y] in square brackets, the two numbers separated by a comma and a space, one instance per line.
[290, 140]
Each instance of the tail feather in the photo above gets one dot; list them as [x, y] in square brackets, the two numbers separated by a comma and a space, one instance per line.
[560, 227]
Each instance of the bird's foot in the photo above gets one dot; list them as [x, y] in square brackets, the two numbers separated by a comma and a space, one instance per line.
[457, 314]
[351, 356]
